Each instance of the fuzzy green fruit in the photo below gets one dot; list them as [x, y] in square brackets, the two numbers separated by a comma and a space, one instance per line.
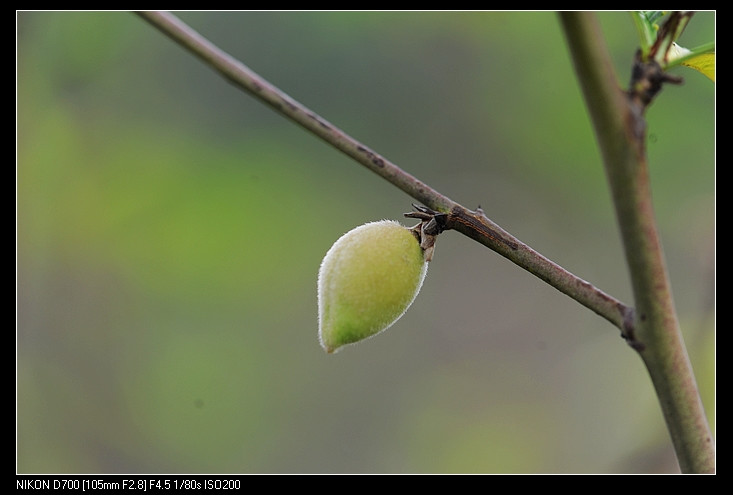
[367, 280]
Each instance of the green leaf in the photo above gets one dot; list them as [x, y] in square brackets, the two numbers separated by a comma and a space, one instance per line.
[644, 20]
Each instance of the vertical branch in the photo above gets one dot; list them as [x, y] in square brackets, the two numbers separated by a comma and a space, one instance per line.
[620, 131]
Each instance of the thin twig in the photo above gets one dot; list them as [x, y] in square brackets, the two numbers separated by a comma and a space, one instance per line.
[473, 224]
[620, 130]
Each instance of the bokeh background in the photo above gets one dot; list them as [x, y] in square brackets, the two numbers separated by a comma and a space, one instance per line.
[170, 230]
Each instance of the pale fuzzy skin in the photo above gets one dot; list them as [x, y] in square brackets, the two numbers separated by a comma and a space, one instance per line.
[367, 280]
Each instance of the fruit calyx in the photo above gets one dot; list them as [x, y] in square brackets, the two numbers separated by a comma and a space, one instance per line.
[432, 223]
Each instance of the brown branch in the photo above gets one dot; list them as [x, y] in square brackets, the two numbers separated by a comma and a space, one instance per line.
[473, 224]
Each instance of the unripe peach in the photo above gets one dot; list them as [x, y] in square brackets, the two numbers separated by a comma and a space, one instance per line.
[367, 280]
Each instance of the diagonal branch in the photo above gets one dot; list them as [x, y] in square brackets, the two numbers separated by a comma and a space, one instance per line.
[473, 224]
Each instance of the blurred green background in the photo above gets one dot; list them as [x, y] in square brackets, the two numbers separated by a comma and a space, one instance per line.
[170, 230]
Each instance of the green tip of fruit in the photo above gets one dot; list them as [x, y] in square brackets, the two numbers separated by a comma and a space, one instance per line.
[366, 282]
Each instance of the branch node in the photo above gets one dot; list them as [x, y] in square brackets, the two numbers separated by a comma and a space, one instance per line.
[647, 78]
[628, 330]
[432, 223]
